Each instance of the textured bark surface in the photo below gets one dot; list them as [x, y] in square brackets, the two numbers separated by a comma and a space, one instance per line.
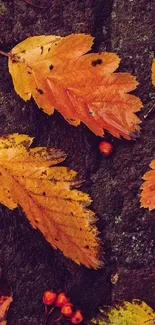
[29, 264]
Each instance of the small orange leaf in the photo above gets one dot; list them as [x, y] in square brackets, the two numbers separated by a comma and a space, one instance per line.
[4, 306]
[44, 193]
[5, 301]
[148, 188]
[153, 72]
[58, 73]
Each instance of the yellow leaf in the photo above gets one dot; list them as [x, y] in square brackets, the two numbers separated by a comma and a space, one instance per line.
[58, 73]
[135, 313]
[46, 196]
[148, 188]
[153, 72]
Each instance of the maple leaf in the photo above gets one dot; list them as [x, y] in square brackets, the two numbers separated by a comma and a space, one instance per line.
[148, 188]
[58, 73]
[153, 72]
[135, 313]
[46, 196]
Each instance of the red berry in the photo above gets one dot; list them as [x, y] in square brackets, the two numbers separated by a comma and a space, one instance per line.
[61, 299]
[67, 310]
[77, 317]
[49, 297]
[105, 147]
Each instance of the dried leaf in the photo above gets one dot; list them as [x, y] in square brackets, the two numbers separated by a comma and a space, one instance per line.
[148, 188]
[45, 195]
[135, 313]
[153, 72]
[5, 301]
[58, 73]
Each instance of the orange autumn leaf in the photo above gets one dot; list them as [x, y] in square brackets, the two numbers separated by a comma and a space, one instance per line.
[4, 306]
[5, 301]
[46, 196]
[57, 73]
[148, 188]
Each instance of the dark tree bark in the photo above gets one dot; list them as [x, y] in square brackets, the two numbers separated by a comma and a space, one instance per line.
[29, 264]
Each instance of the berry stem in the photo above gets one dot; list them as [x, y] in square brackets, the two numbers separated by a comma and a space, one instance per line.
[33, 5]
[51, 310]
[56, 320]
[45, 320]
[47, 314]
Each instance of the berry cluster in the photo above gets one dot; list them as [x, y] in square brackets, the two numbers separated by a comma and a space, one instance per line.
[62, 301]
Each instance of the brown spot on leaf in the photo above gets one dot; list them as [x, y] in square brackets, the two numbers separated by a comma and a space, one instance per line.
[44, 172]
[91, 112]
[53, 180]
[96, 62]
[25, 143]
[51, 67]
[40, 91]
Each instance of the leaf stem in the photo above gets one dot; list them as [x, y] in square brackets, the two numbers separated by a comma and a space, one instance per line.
[5, 53]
